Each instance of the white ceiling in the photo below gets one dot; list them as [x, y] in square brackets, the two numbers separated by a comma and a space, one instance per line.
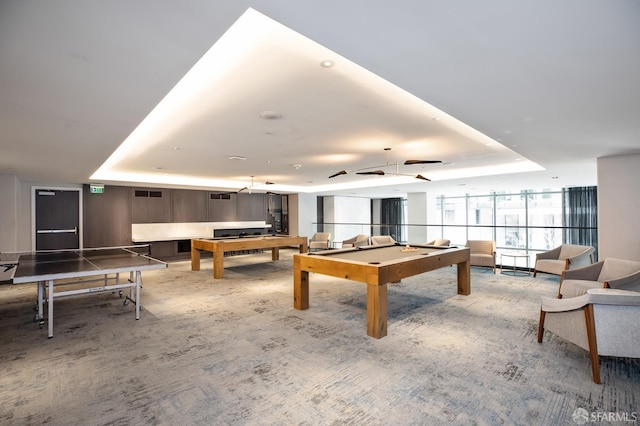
[555, 83]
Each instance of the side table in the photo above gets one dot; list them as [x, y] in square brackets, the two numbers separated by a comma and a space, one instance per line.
[514, 271]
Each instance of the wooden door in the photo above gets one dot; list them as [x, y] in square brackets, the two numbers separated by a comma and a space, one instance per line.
[57, 219]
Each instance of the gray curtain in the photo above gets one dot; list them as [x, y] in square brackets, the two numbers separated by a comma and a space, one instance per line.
[391, 217]
[580, 216]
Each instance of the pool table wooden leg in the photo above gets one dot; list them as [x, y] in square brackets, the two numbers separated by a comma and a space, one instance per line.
[218, 264]
[195, 258]
[464, 278]
[377, 310]
[300, 289]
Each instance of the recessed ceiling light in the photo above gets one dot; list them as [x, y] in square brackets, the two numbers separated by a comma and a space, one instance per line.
[326, 64]
[176, 148]
[270, 115]
[297, 166]
[437, 118]
[237, 157]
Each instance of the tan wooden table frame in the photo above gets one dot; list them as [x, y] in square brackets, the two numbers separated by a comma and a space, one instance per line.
[376, 275]
[220, 247]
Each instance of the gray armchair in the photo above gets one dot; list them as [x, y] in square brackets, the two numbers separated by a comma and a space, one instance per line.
[561, 258]
[603, 321]
[483, 253]
[610, 273]
[357, 241]
[320, 241]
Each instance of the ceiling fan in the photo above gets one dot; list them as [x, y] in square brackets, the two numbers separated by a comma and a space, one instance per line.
[380, 172]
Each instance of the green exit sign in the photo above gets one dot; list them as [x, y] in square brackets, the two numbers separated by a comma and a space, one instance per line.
[96, 189]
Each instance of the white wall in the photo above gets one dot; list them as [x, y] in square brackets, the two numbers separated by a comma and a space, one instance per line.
[16, 214]
[417, 215]
[352, 216]
[9, 213]
[302, 214]
[619, 207]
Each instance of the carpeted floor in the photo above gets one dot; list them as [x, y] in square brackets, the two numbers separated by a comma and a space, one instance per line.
[235, 351]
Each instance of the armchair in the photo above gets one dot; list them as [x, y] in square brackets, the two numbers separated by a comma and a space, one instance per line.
[320, 241]
[483, 253]
[439, 243]
[608, 273]
[603, 321]
[381, 240]
[357, 241]
[561, 258]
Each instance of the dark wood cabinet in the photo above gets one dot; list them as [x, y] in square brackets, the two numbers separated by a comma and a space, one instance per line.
[251, 207]
[151, 205]
[107, 217]
[222, 207]
[189, 205]
[163, 250]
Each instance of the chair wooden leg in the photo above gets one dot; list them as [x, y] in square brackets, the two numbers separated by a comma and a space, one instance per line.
[541, 326]
[593, 345]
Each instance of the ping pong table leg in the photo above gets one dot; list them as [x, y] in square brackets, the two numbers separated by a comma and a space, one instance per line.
[138, 282]
[40, 316]
[50, 308]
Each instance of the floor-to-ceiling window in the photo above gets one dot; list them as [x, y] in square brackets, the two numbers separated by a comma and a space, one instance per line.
[526, 222]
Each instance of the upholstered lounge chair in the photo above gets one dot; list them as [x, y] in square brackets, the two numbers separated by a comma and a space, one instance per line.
[603, 321]
[381, 240]
[439, 243]
[357, 241]
[320, 241]
[610, 273]
[483, 253]
[561, 258]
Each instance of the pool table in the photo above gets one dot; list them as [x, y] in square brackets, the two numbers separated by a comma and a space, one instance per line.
[220, 246]
[377, 266]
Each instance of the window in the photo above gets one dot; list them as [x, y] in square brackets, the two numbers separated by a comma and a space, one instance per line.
[526, 221]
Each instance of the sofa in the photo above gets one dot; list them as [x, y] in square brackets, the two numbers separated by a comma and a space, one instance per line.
[563, 257]
[608, 273]
[483, 253]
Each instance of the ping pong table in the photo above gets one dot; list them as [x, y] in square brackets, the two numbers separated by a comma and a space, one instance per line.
[68, 273]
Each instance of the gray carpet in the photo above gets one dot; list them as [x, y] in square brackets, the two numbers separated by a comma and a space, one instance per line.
[235, 351]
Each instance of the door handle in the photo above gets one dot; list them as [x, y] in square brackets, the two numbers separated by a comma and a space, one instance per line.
[58, 231]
